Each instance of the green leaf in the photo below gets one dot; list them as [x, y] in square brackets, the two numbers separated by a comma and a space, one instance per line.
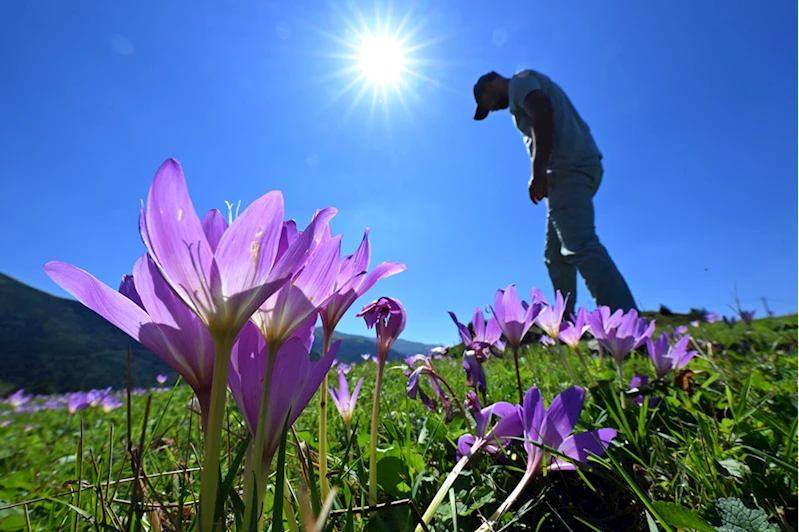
[736, 516]
[390, 472]
[731, 467]
[13, 522]
[681, 517]
[277, 509]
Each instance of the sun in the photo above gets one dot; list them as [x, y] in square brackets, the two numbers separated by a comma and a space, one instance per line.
[381, 59]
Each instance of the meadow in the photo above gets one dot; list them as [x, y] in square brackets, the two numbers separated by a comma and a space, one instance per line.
[710, 447]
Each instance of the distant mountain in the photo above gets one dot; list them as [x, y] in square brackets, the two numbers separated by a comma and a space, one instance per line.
[50, 344]
[353, 346]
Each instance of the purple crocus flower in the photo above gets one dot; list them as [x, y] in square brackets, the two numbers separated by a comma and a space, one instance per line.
[547, 340]
[515, 317]
[730, 322]
[552, 427]
[550, 317]
[619, 335]
[666, 359]
[695, 323]
[571, 332]
[486, 336]
[352, 281]
[711, 317]
[508, 427]
[366, 356]
[640, 382]
[475, 375]
[295, 379]
[76, 402]
[388, 315]
[95, 397]
[109, 403]
[438, 352]
[161, 379]
[679, 332]
[281, 314]
[345, 403]
[222, 284]
[433, 378]
[747, 316]
[18, 398]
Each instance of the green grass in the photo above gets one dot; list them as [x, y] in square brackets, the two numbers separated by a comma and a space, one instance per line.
[730, 440]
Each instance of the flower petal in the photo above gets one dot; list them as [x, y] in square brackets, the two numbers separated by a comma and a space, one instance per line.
[176, 238]
[246, 252]
[466, 336]
[580, 446]
[190, 347]
[562, 416]
[465, 443]
[355, 393]
[108, 303]
[214, 225]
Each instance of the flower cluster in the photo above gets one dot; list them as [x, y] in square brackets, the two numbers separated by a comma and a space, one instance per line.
[232, 304]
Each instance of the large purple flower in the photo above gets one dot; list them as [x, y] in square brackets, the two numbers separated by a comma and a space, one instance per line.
[550, 316]
[552, 427]
[619, 335]
[226, 283]
[666, 359]
[486, 437]
[486, 338]
[515, 317]
[282, 313]
[572, 331]
[294, 382]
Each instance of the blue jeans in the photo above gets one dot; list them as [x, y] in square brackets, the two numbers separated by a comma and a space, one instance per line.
[572, 244]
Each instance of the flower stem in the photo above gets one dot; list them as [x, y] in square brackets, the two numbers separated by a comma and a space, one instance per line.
[488, 525]
[256, 473]
[621, 384]
[373, 435]
[518, 375]
[566, 363]
[427, 518]
[457, 401]
[209, 477]
[585, 366]
[323, 426]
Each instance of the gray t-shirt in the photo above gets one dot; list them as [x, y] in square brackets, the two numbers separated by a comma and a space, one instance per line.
[573, 144]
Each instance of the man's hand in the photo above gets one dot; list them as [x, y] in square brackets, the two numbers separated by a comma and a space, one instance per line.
[538, 186]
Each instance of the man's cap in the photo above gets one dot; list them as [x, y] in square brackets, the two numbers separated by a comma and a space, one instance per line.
[479, 87]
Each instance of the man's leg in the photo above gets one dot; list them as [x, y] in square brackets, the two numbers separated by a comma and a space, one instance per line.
[571, 211]
[561, 271]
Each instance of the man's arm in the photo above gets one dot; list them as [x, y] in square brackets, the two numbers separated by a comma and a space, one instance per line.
[538, 107]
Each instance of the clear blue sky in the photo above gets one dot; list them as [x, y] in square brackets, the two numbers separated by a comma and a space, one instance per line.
[693, 104]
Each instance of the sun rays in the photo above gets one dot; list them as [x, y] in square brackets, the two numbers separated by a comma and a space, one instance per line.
[381, 58]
